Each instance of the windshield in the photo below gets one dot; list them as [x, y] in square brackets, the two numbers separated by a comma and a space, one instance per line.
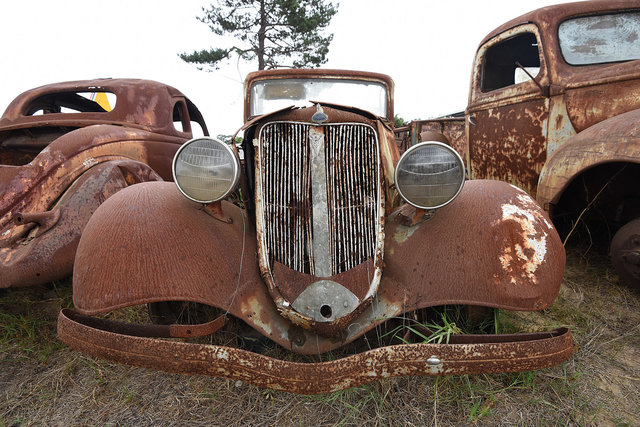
[272, 95]
[599, 39]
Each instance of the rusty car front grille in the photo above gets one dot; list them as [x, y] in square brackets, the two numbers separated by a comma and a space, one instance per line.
[351, 179]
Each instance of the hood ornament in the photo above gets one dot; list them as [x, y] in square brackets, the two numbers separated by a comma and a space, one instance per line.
[319, 117]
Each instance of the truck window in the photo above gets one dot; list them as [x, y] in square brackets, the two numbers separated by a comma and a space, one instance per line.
[499, 62]
[600, 39]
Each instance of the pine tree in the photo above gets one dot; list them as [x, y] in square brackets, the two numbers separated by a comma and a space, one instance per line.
[276, 32]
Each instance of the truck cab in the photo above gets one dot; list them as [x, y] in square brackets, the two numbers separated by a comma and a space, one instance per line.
[553, 108]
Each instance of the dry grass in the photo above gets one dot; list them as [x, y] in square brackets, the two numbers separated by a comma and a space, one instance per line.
[43, 382]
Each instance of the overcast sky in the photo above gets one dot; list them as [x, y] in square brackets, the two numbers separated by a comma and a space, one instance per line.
[426, 46]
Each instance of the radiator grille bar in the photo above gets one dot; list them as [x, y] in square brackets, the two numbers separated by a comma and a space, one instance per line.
[352, 171]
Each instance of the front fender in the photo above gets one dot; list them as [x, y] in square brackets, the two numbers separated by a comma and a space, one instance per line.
[492, 246]
[613, 140]
[46, 252]
[149, 243]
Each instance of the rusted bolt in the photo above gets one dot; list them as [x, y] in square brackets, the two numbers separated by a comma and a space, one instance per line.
[433, 361]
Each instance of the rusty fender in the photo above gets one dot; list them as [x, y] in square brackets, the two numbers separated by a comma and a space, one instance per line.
[165, 247]
[613, 140]
[465, 354]
[46, 247]
[492, 246]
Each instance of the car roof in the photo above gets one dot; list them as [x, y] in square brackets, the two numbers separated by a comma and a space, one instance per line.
[144, 104]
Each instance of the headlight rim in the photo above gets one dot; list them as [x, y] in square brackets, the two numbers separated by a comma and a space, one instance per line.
[236, 168]
[417, 147]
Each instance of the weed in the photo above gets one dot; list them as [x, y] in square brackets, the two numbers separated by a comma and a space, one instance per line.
[481, 408]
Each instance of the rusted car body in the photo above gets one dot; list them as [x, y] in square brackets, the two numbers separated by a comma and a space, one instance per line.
[317, 248]
[64, 150]
[553, 108]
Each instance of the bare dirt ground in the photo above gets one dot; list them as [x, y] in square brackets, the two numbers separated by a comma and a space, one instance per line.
[42, 382]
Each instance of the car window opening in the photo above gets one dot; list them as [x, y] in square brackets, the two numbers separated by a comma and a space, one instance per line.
[500, 68]
[71, 102]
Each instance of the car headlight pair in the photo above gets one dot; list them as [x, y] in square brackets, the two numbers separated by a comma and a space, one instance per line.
[429, 175]
[206, 170]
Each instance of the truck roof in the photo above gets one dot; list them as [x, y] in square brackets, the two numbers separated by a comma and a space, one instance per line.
[550, 17]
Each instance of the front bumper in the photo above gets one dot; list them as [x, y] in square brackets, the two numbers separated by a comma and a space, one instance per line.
[465, 354]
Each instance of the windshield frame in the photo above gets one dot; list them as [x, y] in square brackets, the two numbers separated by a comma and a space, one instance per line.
[280, 74]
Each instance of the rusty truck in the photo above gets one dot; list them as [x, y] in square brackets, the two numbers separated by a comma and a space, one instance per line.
[554, 108]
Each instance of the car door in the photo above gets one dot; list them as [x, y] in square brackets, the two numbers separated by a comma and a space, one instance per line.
[507, 117]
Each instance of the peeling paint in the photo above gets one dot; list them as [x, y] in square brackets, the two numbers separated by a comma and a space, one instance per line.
[532, 239]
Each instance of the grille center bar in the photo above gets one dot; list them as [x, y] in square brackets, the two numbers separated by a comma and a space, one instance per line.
[321, 231]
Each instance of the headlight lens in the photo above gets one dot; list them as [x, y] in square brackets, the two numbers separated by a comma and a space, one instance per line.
[429, 175]
[206, 170]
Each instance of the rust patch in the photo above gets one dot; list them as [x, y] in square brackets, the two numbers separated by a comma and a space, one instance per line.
[509, 144]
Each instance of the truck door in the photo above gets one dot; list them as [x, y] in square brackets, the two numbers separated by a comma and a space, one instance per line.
[507, 116]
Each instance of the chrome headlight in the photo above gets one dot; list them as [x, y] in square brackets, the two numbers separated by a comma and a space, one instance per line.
[206, 170]
[429, 175]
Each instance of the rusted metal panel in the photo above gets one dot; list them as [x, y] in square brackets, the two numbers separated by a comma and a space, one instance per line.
[402, 135]
[592, 104]
[470, 354]
[452, 128]
[507, 252]
[509, 143]
[203, 266]
[46, 158]
[30, 255]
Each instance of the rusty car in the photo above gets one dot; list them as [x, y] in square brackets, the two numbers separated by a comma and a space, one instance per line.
[322, 236]
[67, 147]
[554, 107]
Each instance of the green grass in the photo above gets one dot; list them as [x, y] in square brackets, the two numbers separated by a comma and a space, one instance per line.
[26, 327]
[47, 383]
